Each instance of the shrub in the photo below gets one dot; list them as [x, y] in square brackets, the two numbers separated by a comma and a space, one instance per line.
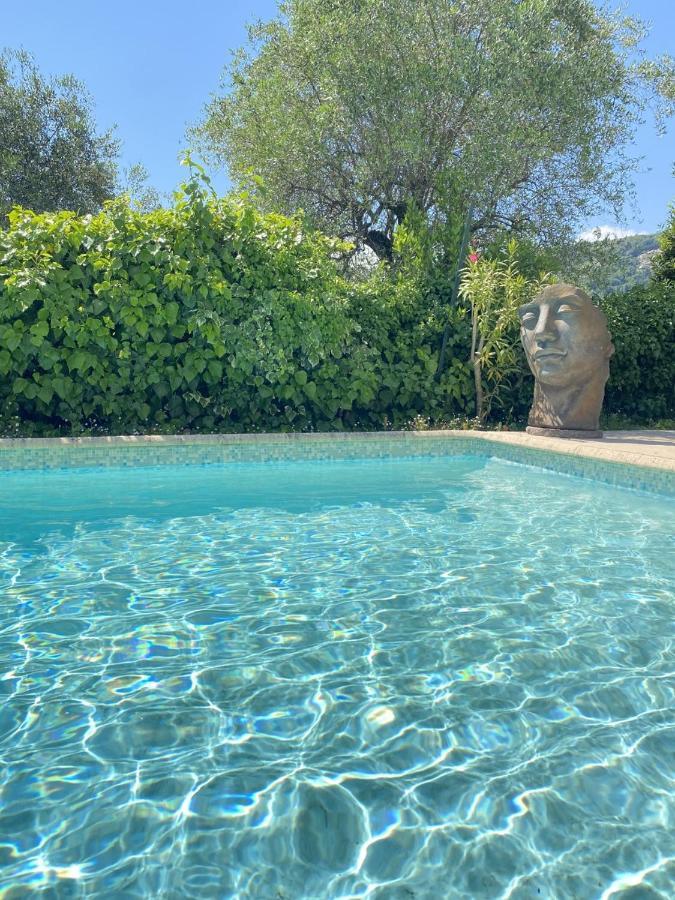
[642, 371]
[208, 316]
[204, 316]
[494, 289]
[211, 316]
[401, 322]
[664, 261]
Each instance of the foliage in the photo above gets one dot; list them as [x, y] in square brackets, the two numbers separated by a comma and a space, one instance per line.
[619, 422]
[211, 316]
[51, 157]
[642, 371]
[355, 111]
[494, 289]
[135, 184]
[401, 321]
[600, 267]
[664, 263]
[207, 316]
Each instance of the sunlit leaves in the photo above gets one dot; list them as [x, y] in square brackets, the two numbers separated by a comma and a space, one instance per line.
[205, 316]
[355, 111]
[494, 289]
[51, 157]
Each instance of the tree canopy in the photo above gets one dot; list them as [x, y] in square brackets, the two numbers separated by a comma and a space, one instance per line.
[51, 156]
[354, 111]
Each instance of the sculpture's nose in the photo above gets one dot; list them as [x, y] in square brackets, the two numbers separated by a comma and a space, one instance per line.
[545, 327]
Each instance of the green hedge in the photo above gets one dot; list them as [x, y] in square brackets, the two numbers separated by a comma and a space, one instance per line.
[211, 316]
[664, 262]
[642, 371]
[205, 317]
[400, 323]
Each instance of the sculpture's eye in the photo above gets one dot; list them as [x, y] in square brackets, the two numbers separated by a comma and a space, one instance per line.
[566, 308]
[528, 320]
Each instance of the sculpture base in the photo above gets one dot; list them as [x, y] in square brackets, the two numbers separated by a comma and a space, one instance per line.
[564, 432]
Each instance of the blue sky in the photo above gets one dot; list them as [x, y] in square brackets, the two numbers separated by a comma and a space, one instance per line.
[152, 65]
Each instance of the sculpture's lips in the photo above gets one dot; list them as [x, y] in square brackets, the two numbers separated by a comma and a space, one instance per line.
[544, 354]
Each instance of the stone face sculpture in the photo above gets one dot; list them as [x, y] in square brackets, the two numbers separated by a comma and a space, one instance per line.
[568, 348]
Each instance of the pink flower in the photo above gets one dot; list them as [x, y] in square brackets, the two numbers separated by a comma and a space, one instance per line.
[473, 257]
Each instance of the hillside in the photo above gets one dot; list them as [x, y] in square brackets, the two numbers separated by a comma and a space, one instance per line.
[610, 265]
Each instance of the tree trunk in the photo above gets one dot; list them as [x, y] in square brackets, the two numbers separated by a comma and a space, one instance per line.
[380, 243]
[476, 366]
[478, 382]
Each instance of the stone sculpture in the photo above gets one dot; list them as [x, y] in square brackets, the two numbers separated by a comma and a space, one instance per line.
[568, 348]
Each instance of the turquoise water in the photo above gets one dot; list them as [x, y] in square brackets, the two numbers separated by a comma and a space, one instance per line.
[440, 678]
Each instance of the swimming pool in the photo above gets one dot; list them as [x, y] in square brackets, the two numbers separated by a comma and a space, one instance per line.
[389, 678]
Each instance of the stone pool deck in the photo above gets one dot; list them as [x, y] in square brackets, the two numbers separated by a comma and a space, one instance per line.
[653, 449]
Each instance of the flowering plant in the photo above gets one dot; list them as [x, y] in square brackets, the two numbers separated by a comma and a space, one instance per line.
[495, 289]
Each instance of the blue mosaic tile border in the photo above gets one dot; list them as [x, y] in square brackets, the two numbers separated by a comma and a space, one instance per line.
[263, 450]
[325, 447]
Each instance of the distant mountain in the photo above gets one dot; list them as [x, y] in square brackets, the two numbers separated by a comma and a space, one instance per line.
[610, 265]
[637, 245]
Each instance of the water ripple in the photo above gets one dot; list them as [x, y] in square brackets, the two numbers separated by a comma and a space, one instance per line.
[424, 679]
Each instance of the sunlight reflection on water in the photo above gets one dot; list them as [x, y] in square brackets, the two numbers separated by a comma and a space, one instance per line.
[430, 678]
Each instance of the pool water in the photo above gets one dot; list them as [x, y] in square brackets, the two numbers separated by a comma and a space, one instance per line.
[416, 678]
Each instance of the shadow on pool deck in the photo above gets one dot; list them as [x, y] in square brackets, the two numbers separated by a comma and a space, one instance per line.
[655, 439]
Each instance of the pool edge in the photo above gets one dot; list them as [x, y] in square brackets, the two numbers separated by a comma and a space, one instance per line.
[590, 459]
[589, 449]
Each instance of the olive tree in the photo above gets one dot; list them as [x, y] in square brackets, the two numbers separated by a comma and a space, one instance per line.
[51, 156]
[354, 110]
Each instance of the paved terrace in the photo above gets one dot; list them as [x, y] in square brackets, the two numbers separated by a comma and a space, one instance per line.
[639, 448]
[655, 449]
